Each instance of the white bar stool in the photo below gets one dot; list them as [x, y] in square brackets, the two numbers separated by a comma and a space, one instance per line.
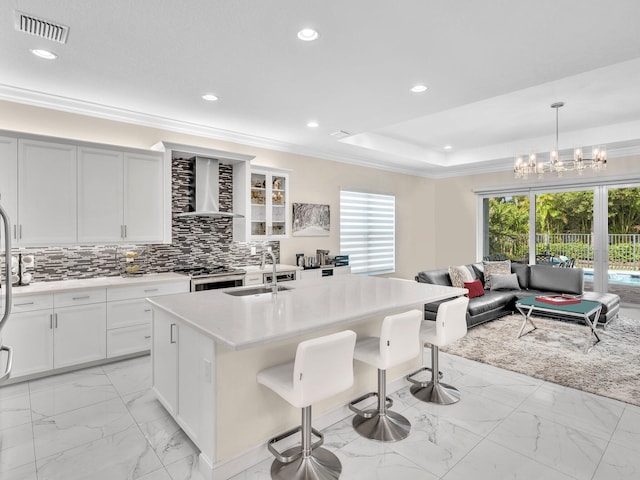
[450, 325]
[323, 367]
[398, 343]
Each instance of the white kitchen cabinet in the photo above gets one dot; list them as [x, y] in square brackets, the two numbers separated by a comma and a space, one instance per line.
[8, 176]
[269, 204]
[129, 315]
[196, 399]
[30, 334]
[120, 196]
[46, 193]
[79, 334]
[164, 360]
[327, 271]
[143, 198]
[100, 195]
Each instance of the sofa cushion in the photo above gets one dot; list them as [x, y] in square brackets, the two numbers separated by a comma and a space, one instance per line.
[522, 271]
[459, 275]
[561, 280]
[475, 288]
[491, 300]
[504, 282]
[609, 301]
[436, 277]
[490, 268]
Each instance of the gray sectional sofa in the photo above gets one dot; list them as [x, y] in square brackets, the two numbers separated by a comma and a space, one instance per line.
[532, 280]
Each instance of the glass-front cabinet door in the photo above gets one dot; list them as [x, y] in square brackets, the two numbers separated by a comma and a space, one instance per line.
[269, 204]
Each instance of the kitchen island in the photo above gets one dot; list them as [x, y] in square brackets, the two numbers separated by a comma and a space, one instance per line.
[208, 347]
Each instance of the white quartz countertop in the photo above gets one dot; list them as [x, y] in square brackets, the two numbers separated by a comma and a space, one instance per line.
[99, 282]
[314, 304]
[268, 268]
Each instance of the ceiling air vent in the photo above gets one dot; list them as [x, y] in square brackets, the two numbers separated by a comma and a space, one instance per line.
[340, 134]
[41, 28]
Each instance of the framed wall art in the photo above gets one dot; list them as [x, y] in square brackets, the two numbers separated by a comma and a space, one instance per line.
[311, 220]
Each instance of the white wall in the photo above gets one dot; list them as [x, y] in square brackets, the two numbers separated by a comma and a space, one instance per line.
[312, 180]
[436, 219]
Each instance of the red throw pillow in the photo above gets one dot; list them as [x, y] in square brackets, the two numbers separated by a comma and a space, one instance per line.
[475, 288]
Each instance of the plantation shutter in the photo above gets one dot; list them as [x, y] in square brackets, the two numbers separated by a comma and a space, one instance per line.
[367, 231]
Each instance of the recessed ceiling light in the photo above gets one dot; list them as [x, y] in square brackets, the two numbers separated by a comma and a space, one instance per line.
[210, 97]
[308, 34]
[448, 147]
[419, 88]
[38, 52]
[313, 124]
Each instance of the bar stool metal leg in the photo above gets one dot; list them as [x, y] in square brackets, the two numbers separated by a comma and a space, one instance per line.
[381, 424]
[434, 391]
[311, 462]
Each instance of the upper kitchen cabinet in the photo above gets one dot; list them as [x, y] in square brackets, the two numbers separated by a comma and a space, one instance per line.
[8, 176]
[143, 197]
[100, 195]
[46, 193]
[269, 203]
[120, 196]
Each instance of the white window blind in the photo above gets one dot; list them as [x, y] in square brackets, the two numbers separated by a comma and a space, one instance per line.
[368, 231]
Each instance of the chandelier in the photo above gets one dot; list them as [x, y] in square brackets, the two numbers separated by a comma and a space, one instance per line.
[531, 165]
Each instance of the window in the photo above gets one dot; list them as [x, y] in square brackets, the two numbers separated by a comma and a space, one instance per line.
[368, 231]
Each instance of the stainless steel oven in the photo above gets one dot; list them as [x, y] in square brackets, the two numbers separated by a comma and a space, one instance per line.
[210, 278]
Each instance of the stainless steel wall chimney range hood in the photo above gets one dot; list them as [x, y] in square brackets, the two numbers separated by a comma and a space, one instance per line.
[207, 187]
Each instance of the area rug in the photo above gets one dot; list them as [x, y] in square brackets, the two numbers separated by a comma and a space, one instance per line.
[555, 352]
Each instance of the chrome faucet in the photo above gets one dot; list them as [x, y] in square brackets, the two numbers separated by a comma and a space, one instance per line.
[274, 277]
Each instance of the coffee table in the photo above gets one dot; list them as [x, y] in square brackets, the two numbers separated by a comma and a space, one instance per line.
[584, 310]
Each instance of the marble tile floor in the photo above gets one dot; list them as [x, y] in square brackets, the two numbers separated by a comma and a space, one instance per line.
[104, 423]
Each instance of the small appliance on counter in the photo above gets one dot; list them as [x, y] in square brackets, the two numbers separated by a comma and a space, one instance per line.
[323, 257]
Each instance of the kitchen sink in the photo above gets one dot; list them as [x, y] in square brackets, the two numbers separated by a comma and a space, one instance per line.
[257, 290]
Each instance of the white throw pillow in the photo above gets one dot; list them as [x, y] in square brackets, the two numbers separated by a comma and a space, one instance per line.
[459, 274]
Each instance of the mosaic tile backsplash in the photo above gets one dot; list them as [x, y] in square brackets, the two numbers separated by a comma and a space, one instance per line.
[196, 240]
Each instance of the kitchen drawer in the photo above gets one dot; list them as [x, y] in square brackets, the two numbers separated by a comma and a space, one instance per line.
[28, 303]
[79, 297]
[125, 340]
[146, 290]
[253, 279]
[125, 313]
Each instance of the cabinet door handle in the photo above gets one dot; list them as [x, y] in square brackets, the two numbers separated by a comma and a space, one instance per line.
[151, 290]
[125, 231]
[55, 318]
[51, 321]
[173, 338]
[15, 231]
[20, 231]
[81, 298]
[147, 310]
[22, 304]
[147, 336]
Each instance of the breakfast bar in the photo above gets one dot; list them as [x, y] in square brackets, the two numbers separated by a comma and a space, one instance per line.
[208, 347]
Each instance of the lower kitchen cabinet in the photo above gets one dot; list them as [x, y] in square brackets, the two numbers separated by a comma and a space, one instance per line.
[196, 397]
[79, 334]
[164, 358]
[184, 377]
[31, 336]
[127, 340]
[49, 331]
